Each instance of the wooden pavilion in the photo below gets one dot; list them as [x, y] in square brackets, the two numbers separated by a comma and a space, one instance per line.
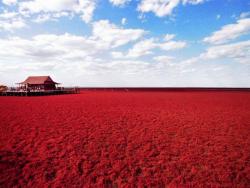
[3, 88]
[38, 83]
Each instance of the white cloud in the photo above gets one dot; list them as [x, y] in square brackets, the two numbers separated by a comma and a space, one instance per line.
[169, 37]
[218, 16]
[159, 7]
[119, 2]
[164, 59]
[172, 45]
[229, 32]
[147, 47]
[124, 21]
[10, 21]
[8, 15]
[44, 17]
[63, 54]
[36, 6]
[193, 2]
[239, 52]
[84, 8]
[9, 2]
[117, 55]
[128, 66]
[43, 48]
[245, 15]
[114, 36]
[59, 55]
[163, 7]
[47, 47]
[142, 48]
[12, 25]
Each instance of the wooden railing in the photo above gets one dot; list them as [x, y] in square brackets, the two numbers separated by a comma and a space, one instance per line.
[37, 92]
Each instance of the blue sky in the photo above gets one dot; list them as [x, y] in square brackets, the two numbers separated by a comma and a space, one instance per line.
[137, 43]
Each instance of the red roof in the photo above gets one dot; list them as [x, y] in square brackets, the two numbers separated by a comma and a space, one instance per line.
[38, 80]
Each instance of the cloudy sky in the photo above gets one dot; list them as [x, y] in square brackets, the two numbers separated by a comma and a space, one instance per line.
[107, 43]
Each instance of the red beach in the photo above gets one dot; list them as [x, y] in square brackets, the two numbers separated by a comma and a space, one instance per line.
[126, 139]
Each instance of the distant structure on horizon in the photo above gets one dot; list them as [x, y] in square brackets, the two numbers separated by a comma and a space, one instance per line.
[37, 86]
[3, 88]
[38, 83]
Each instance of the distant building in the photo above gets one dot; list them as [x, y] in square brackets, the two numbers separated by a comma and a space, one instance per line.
[38, 83]
[3, 88]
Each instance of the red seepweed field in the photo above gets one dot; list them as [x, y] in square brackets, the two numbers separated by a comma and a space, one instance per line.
[126, 139]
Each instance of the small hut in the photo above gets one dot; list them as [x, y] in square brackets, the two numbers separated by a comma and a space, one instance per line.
[38, 83]
[3, 88]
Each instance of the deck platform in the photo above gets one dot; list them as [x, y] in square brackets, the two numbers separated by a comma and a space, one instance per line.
[39, 93]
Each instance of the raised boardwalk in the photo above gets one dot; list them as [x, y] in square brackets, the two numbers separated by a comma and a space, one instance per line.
[39, 93]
